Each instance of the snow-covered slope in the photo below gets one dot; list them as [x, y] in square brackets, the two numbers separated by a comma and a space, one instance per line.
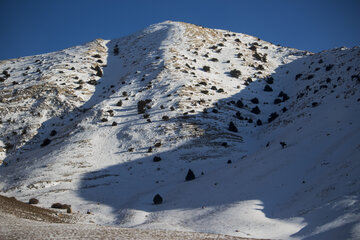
[82, 126]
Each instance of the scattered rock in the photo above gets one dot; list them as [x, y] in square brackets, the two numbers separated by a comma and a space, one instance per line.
[114, 124]
[156, 159]
[283, 144]
[119, 103]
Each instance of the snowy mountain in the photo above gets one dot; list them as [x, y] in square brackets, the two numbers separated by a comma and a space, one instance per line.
[270, 133]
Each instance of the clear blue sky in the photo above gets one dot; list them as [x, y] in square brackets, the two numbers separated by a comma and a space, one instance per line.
[40, 26]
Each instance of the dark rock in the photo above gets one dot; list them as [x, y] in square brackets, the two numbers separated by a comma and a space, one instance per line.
[190, 175]
[224, 144]
[114, 124]
[156, 159]
[157, 199]
[259, 122]
[229, 162]
[165, 118]
[96, 56]
[104, 119]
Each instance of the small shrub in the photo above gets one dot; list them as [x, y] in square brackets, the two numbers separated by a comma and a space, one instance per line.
[272, 117]
[232, 127]
[283, 144]
[310, 77]
[190, 175]
[150, 149]
[224, 144]
[229, 162]
[298, 76]
[259, 122]
[239, 104]
[220, 90]
[158, 144]
[116, 49]
[213, 88]
[329, 67]
[157, 199]
[314, 104]
[277, 101]
[267, 88]
[165, 118]
[239, 55]
[204, 91]
[256, 110]
[237, 40]
[45, 142]
[255, 100]
[98, 70]
[269, 80]
[92, 82]
[141, 106]
[206, 68]
[253, 48]
[119, 103]
[53, 133]
[235, 73]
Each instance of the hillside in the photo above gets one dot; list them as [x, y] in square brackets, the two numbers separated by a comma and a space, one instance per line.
[270, 133]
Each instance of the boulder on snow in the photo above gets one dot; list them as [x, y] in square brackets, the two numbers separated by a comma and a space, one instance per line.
[156, 159]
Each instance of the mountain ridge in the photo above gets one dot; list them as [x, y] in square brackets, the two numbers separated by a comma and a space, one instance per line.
[180, 86]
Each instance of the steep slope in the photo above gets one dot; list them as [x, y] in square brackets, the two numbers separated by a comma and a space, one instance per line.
[85, 126]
